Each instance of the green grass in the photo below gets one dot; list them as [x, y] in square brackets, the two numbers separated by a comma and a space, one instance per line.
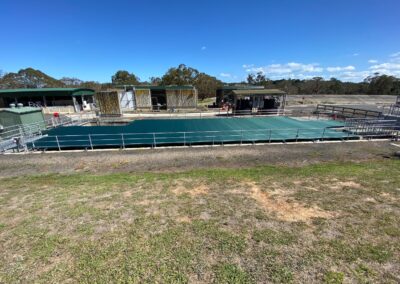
[332, 277]
[204, 226]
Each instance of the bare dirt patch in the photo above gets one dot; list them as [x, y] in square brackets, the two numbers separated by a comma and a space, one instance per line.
[351, 184]
[127, 193]
[284, 208]
[184, 219]
[181, 187]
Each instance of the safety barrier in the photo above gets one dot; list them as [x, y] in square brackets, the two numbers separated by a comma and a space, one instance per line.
[156, 139]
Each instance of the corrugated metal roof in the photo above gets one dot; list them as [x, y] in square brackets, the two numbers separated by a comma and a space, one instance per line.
[63, 91]
[241, 87]
[172, 87]
[45, 90]
[259, 92]
[22, 110]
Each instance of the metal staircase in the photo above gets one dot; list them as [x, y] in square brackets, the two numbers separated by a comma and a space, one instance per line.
[17, 137]
[370, 127]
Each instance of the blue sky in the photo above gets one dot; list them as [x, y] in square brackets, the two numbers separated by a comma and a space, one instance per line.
[346, 39]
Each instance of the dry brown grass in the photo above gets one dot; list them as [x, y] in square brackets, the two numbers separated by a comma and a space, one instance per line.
[266, 224]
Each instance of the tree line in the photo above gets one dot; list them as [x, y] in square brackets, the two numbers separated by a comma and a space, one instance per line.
[206, 84]
[376, 84]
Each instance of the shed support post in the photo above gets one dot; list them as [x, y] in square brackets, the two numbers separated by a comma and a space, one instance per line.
[58, 144]
[123, 141]
[76, 105]
[90, 140]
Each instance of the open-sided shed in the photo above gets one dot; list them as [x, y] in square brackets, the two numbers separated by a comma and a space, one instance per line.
[148, 97]
[254, 99]
[48, 97]
[165, 97]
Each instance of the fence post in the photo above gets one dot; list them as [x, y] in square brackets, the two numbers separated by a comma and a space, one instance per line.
[154, 140]
[90, 140]
[297, 134]
[123, 141]
[323, 134]
[58, 143]
[184, 138]
[270, 133]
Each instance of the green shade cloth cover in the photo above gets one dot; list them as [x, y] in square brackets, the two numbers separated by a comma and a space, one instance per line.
[158, 132]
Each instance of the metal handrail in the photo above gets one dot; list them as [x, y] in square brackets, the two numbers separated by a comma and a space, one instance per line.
[183, 137]
[204, 131]
[214, 136]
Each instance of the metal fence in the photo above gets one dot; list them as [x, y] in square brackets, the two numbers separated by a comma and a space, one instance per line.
[372, 127]
[31, 137]
[156, 139]
[348, 111]
[18, 136]
[207, 114]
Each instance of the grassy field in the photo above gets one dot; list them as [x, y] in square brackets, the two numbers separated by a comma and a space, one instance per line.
[332, 223]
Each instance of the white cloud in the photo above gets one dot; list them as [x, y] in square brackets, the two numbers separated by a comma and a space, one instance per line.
[396, 54]
[353, 76]
[286, 69]
[356, 54]
[387, 66]
[338, 68]
[203, 47]
[297, 70]
[395, 57]
[226, 75]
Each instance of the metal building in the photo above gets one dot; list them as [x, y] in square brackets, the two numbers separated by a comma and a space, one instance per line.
[163, 97]
[145, 97]
[21, 116]
[251, 99]
[79, 98]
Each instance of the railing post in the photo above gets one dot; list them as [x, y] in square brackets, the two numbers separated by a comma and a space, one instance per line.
[184, 138]
[90, 140]
[154, 140]
[323, 134]
[123, 141]
[297, 134]
[58, 143]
